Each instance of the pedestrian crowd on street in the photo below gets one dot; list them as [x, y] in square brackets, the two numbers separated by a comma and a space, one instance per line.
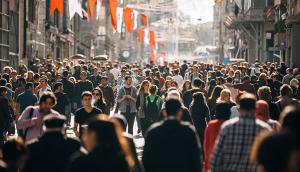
[193, 117]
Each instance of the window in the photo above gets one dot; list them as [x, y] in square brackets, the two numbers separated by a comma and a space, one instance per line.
[4, 29]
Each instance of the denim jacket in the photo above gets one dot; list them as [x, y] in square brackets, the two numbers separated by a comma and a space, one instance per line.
[124, 103]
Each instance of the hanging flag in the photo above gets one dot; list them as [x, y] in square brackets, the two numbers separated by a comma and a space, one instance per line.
[128, 18]
[135, 19]
[146, 37]
[140, 35]
[75, 7]
[152, 57]
[119, 19]
[12, 5]
[144, 19]
[56, 4]
[91, 7]
[98, 9]
[113, 12]
[152, 38]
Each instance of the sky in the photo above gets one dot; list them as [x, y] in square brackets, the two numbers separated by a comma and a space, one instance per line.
[197, 9]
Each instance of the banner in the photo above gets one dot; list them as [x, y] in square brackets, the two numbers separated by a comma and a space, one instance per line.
[146, 37]
[113, 12]
[152, 38]
[56, 4]
[135, 19]
[140, 35]
[75, 7]
[91, 7]
[144, 20]
[152, 57]
[119, 19]
[128, 19]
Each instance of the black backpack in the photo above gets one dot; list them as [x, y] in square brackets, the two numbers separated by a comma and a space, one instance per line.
[152, 111]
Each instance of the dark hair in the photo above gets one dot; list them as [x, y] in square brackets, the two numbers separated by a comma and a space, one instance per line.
[65, 73]
[3, 82]
[22, 81]
[47, 95]
[57, 85]
[6, 77]
[29, 85]
[87, 94]
[222, 111]
[36, 76]
[216, 92]
[153, 89]
[173, 106]
[2, 89]
[285, 90]
[13, 149]
[229, 80]
[247, 102]
[197, 82]
[121, 119]
[290, 118]
[273, 150]
[127, 77]
[246, 78]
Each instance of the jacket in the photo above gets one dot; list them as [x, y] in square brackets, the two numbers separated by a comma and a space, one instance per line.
[132, 103]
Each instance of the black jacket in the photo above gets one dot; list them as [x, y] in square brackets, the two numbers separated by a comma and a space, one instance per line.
[50, 153]
[68, 88]
[172, 146]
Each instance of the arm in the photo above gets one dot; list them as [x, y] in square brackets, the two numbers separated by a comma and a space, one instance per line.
[24, 121]
[121, 96]
[75, 129]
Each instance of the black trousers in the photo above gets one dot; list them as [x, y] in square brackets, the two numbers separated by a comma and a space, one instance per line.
[130, 121]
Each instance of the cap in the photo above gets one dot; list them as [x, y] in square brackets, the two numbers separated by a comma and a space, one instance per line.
[54, 121]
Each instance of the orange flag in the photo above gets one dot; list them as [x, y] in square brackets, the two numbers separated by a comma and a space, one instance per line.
[152, 56]
[152, 38]
[140, 35]
[91, 9]
[144, 19]
[113, 12]
[127, 17]
[56, 4]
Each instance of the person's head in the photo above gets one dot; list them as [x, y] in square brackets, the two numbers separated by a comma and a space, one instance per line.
[153, 89]
[246, 79]
[3, 90]
[197, 83]
[29, 86]
[216, 92]
[294, 83]
[264, 93]
[36, 77]
[106, 135]
[229, 80]
[83, 75]
[195, 69]
[29, 75]
[176, 72]
[173, 108]
[199, 99]
[72, 79]
[290, 119]
[174, 84]
[128, 80]
[247, 104]
[43, 81]
[222, 111]
[97, 94]
[3, 82]
[86, 99]
[21, 82]
[54, 123]
[15, 153]
[286, 90]
[187, 85]
[104, 80]
[276, 152]
[47, 101]
[6, 77]
[58, 86]
[225, 95]
[65, 74]
[121, 119]
[145, 85]
[262, 110]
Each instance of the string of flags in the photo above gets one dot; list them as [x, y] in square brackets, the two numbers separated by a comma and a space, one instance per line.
[129, 16]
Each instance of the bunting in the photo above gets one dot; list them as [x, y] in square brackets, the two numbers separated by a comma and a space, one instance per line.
[98, 9]
[113, 12]
[140, 35]
[152, 57]
[56, 4]
[135, 19]
[144, 19]
[119, 19]
[152, 38]
[75, 7]
[127, 18]
[91, 7]
[146, 36]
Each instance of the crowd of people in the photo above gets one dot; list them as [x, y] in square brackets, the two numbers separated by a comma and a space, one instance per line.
[193, 117]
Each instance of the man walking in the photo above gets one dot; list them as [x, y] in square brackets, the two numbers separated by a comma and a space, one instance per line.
[232, 150]
[127, 102]
[80, 87]
[108, 93]
[172, 145]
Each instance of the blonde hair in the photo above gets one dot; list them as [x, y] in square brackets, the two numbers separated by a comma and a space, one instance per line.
[223, 94]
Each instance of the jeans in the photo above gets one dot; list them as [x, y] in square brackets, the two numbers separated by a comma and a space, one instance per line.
[130, 121]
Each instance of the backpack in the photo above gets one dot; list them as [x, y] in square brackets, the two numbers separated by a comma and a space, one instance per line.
[152, 111]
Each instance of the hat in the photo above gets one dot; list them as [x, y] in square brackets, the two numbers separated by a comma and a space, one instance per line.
[54, 121]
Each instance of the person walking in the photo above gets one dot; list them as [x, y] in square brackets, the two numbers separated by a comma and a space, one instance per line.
[4, 114]
[62, 99]
[81, 86]
[172, 145]
[231, 152]
[153, 105]
[127, 102]
[98, 101]
[53, 149]
[31, 119]
[85, 113]
[262, 113]
[143, 92]
[108, 93]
